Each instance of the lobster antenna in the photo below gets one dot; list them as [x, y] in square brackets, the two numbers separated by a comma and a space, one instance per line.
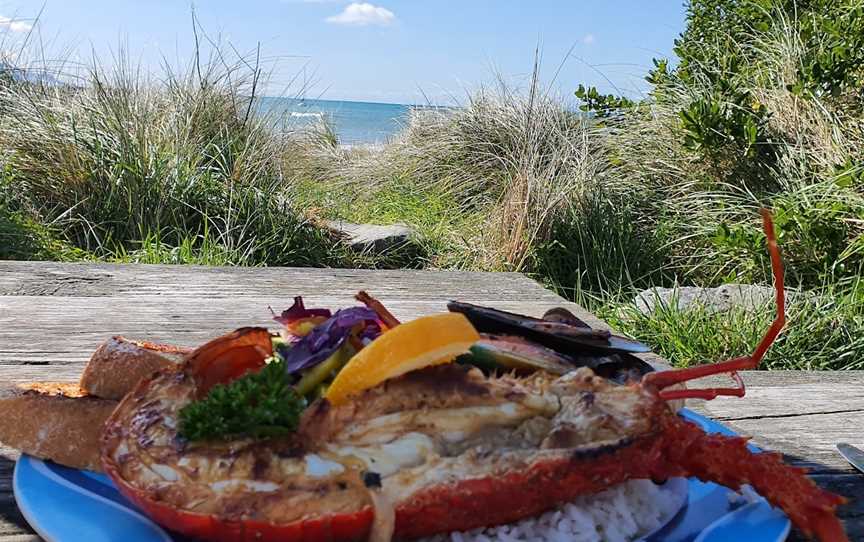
[664, 379]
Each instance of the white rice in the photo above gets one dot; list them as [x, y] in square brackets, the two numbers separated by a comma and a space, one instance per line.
[625, 512]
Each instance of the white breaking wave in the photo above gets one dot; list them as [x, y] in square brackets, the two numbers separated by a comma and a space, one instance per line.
[296, 114]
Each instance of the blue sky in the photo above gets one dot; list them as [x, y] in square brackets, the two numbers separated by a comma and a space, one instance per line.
[381, 50]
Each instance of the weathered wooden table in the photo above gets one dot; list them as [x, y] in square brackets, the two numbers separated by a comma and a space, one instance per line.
[52, 316]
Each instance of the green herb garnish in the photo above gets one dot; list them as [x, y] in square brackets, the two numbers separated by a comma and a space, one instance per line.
[260, 405]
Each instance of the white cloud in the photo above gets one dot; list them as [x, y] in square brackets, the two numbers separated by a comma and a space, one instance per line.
[588, 39]
[14, 25]
[363, 14]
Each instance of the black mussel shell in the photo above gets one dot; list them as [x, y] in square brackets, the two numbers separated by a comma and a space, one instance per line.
[559, 338]
[563, 337]
[560, 314]
[620, 367]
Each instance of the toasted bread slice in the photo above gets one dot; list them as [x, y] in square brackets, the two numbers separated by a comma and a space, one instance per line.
[54, 420]
[119, 364]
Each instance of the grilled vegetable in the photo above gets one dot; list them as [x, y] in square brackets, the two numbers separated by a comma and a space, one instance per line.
[514, 353]
[325, 371]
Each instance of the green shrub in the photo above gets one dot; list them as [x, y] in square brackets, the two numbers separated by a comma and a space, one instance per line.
[600, 246]
[722, 37]
[713, 123]
[725, 133]
[126, 159]
[824, 331]
[602, 105]
[23, 236]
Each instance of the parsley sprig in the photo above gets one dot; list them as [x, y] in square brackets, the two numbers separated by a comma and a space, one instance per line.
[259, 405]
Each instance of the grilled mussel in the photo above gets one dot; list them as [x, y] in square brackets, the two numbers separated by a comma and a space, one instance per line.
[557, 343]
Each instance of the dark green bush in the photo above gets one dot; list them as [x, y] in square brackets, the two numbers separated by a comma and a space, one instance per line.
[722, 35]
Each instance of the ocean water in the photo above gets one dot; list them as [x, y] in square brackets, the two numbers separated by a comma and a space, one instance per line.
[355, 123]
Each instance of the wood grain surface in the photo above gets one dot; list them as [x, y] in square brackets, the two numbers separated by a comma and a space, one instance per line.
[52, 317]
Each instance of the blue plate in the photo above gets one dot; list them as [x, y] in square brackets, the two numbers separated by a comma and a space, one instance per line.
[70, 505]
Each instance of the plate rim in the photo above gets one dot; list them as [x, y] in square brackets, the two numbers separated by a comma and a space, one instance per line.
[787, 528]
[25, 510]
[41, 467]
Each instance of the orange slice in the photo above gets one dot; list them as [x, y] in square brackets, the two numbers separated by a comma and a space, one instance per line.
[427, 341]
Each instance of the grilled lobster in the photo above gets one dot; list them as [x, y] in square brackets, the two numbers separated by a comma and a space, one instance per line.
[444, 448]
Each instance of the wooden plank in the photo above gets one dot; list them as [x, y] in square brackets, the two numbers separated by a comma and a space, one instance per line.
[807, 441]
[802, 414]
[52, 279]
[186, 305]
[39, 330]
[12, 523]
[36, 323]
[86, 303]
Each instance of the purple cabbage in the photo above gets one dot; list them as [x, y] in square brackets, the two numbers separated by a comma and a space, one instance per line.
[325, 339]
[298, 312]
[369, 333]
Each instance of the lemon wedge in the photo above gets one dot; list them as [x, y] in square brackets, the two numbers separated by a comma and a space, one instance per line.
[426, 341]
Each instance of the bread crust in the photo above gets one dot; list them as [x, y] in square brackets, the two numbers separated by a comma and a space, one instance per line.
[62, 421]
[119, 364]
[54, 420]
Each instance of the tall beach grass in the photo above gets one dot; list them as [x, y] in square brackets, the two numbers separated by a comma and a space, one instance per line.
[122, 164]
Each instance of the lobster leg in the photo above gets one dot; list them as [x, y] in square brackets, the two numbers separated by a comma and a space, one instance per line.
[664, 379]
[727, 461]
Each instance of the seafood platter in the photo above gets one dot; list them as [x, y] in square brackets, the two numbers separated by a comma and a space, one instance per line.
[346, 424]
